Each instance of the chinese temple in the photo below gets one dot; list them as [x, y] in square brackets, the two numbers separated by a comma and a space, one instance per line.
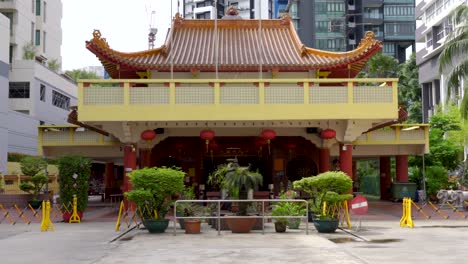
[233, 87]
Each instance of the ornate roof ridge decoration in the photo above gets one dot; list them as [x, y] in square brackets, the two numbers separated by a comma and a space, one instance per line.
[190, 44]
[365, 43]
[232, 11]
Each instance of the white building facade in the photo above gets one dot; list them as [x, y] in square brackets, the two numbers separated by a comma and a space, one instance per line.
[4, 69]
[433, 24]
[37, 94]
[248, 9]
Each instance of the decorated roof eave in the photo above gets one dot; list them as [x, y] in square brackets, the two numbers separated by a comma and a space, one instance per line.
[119, 64]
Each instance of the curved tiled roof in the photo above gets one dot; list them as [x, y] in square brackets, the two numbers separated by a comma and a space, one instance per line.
[191, 44]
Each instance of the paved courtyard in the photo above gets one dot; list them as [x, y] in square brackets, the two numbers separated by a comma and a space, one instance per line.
[380, 240]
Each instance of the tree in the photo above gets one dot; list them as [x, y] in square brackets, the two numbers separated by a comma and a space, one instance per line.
[54, 65]
[409, 91]
[453, 59]
[29, 51]
[78, 74]
[380, 66]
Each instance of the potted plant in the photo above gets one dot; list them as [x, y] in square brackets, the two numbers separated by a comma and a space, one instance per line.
[238, 181]
[329, 189]
[74, 173]
[191, 226]
[152, 193]
[33, 167]
[287, 209]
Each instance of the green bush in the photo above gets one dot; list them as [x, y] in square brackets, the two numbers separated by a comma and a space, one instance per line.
[153, 188]
[436, 179]
[34, 185]
[287, 209]
[68, 167]
[331, 187]
[30, 166]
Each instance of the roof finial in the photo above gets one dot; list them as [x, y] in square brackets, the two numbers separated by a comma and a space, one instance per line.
[232, 13]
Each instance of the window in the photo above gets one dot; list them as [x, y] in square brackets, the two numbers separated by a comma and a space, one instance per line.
[38, 7]
[429, 40]
[389, 48]
[439, 33]
[205, 3]
[32, 6]
[12, 50]
[43, 93]
[38, 37]
[398, 10]
[60, 100]
[45, 12]
[321, 26]
[18, 90]
[204, 15]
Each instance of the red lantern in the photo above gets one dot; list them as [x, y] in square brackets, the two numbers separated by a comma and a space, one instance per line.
[148, 135]
[207, 135]
[268, 134]
[328, 133]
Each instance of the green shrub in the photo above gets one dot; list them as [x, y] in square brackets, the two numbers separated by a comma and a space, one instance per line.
[34, 185]
[331, 187]
[153, 188]
[30, 166]
[68, 167]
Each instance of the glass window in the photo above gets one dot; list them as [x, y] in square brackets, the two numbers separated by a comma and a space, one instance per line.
[45, 12]
[38, 7]
[60, 100]
[429, 40]
[38, 37]
[18, 90]
[43, 93]
[44, 42]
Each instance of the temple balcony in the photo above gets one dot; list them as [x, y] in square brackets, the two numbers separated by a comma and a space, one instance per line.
[71, 140]
[237, 99]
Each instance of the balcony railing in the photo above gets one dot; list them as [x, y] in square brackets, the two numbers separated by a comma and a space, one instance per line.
[407, 134]
[236, 99]
[72, 136]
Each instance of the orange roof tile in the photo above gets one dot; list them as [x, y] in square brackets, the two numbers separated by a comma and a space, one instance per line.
[191, 44]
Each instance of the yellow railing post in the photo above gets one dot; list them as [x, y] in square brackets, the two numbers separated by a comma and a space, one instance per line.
[46, 224]
[75, 218]
[117, 225]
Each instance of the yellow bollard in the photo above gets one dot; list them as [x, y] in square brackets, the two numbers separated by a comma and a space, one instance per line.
[46, 224]
[121, 209]
[74, 218]
[407, 220]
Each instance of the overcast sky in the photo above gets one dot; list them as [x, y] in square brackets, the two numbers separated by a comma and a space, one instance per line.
[125, 25]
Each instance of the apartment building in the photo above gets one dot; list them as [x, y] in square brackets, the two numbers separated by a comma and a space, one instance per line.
[433, 25]
[338, 25]
[37, 94]
[248, 9]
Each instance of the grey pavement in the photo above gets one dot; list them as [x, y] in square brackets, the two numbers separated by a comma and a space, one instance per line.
[441, 241]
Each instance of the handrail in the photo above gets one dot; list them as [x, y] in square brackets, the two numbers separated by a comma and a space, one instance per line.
[262, 216]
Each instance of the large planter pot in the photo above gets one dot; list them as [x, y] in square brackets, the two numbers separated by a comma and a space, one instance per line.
[192, 226]
[66, 216]
[326, 226]
[294, 223]
[280, 227]
[35, 204]
[156, 226]
[240, 225]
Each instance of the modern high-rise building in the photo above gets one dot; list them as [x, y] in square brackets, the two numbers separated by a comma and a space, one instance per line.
[37, 93]
[433, 25]
[337, 25]
[205, 9]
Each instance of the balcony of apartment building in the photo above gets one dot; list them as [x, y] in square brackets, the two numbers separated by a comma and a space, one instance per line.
[8, 5]
[398, 1]
[418, 9]
[399, 31]
[372, 18]
[372, 3]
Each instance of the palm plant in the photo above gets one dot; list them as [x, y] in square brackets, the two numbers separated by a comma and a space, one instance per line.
[453, 57]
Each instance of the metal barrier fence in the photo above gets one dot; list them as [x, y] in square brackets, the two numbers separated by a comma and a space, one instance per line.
[263, 215]
[27, 215]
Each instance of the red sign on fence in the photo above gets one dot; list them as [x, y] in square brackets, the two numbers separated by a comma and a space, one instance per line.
[359, 205]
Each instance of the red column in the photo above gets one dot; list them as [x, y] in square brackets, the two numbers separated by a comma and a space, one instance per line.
[385, 178]
[402, 168]
[324, 160]
[109, 180]
[130, 161]
[346, 159]
[145, 158]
